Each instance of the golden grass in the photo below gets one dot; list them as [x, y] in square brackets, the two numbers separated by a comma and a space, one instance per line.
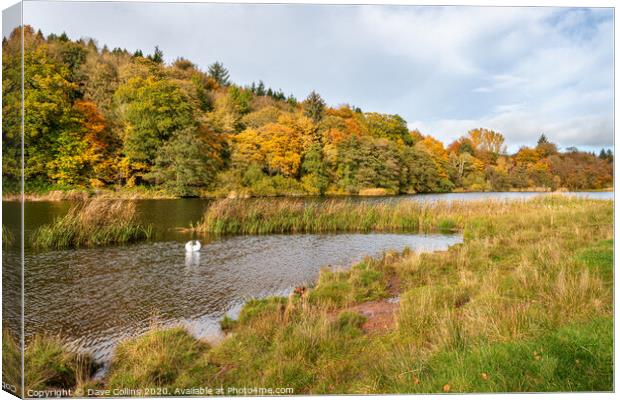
[374, 192]
[263, 216]
[93, 223]
[49, 365]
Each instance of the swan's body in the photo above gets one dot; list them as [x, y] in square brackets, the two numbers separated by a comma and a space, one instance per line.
[192, 246]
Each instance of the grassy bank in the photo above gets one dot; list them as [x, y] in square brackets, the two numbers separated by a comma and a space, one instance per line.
[285, 215]
[93, 223]
[524, 304]
[48, 364]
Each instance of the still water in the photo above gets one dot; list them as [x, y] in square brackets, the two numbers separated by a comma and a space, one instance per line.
[95, 297]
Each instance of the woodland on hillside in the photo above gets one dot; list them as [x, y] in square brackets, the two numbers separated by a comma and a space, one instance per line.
[101, 118]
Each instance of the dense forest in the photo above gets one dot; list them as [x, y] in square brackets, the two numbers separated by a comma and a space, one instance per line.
[101, 118]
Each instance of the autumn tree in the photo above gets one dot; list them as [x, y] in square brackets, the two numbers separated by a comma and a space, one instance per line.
[487, 140]
[49, 119]
[11, 109]
[544, 147]
[367, 162]
[152, 109]
[392, 127]
[421, 174]
[100, 155]
[99, 117]
[240, 99]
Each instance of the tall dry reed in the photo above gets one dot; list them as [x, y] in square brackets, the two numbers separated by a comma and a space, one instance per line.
[93, 223]
[264, 216]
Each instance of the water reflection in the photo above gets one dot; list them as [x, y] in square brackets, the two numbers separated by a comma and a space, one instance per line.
[95, 297]
[192, 259]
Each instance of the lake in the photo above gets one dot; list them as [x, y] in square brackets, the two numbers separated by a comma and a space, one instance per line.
[94, 297]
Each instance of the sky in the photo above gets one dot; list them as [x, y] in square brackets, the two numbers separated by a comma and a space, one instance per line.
[521, 71]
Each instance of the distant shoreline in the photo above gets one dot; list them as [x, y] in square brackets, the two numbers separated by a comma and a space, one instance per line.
[77, 195]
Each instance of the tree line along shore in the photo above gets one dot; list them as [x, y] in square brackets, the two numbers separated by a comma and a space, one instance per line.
[119, 123]
[524, 304]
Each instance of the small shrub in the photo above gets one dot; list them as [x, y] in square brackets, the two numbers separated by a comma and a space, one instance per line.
[375, 192]
[599, 258]
[367, 283]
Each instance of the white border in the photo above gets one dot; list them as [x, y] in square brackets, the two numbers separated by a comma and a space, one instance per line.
[505, 3]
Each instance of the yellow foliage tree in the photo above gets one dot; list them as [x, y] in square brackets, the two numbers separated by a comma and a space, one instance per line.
[278, 147]
[487, 140]
[435, 147]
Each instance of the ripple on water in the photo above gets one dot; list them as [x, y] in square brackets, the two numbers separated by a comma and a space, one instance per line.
[96, 297]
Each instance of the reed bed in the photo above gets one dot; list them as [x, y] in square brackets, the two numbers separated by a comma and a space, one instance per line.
[265, 216]
[93, 223]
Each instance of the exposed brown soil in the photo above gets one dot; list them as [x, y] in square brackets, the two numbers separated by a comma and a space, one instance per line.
[380, 315]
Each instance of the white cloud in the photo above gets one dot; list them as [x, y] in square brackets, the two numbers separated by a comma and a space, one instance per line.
[529, 71]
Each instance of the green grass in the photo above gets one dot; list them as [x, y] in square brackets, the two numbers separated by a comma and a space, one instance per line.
[48, 364]
[524, 304]
[365, 281]
[169, 358]
[93, 223]
[350, 322]
[599, 258]
[576, 357]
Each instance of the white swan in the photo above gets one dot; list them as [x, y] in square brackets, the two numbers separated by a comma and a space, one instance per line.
[192, 246]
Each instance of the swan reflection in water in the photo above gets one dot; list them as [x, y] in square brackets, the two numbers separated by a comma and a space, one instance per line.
[192, 253]
[192, 259]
